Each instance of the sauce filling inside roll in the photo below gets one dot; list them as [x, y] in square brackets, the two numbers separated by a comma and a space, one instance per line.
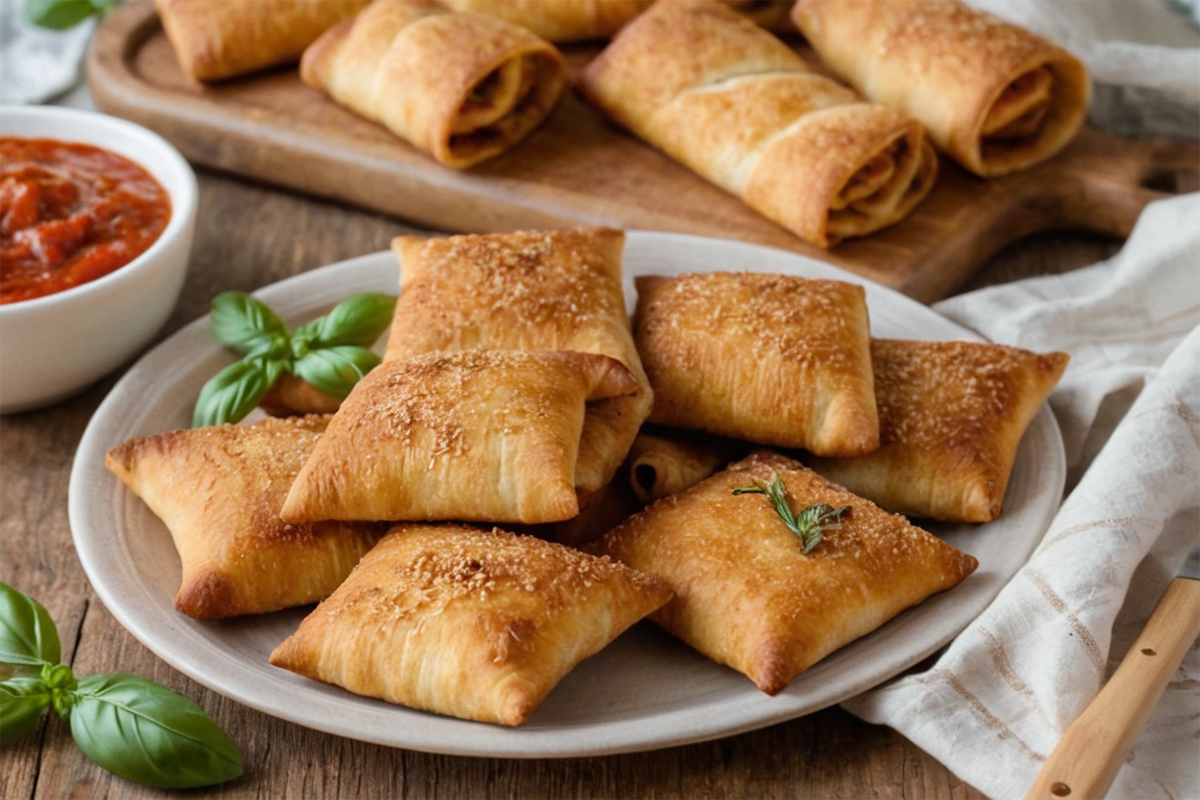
[889, 183]
[1021, 108]
[497, 104]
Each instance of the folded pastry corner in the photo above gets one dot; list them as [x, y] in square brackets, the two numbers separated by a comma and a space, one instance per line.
[664, 462]
[773, 359]
[746, 594]
[217, 40]
[951, 415]
[219, 491]
[470, 623]
[994, 96]
[714, 91]
[485, 435]
[463, 87]
[528, 290]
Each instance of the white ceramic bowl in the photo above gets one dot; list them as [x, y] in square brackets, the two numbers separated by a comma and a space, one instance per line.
[54, 346]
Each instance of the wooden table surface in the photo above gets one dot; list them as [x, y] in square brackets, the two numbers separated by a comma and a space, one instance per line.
[248, 236]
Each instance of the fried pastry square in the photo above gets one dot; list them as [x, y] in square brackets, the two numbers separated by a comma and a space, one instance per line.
[219, 491]
[470, 623]
[485, 435]
[528, 290]
[951, 415]
[774, 359]
[745, 593]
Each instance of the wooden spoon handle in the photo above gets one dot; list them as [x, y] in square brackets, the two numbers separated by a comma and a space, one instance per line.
[1092, 749]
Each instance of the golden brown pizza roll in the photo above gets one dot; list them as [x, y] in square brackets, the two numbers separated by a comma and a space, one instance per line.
[729, 100]
[774, 359]
[487, 435]
[475, 624]
[528, 290]
[215, 39]
[664, 462]
[995, 97]
[462, 87]
[219, 491]
[951, 415]
[747, 595]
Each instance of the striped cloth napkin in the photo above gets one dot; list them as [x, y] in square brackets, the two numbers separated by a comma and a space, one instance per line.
[996, 702]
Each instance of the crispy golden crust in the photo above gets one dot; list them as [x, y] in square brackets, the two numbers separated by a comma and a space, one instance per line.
[473, 624]
[560, 20]
[951, 415]
[746, 596]
[528, 290]
[462, 87]
[219, 491]
[215, 40]
[733, 103]
[664, 462]
[774, 359]
[995, 97]
[489, 435]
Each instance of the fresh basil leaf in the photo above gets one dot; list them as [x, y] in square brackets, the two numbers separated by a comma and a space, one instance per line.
[27, 633]
[144, 732]
[58, 14]
[22, 701]
[335, 370]
[233, 392]
[244, 323]
[358, 320]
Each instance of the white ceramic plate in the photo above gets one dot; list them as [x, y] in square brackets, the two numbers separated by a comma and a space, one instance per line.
[645, 690]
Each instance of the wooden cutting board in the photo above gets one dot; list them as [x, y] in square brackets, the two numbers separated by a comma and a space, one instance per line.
[578, 169]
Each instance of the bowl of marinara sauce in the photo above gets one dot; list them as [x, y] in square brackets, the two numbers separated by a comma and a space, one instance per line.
[96, 222]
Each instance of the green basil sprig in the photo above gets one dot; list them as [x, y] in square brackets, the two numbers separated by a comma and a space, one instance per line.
[130, 726]
[329, 352]
[62, 14]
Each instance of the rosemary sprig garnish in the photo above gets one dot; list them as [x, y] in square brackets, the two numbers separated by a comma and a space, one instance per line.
[810, 524]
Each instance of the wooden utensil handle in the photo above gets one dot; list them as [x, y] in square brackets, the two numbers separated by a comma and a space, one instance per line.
[1092, 749]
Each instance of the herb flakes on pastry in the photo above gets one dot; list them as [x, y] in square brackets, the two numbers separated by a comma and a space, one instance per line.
[951, 415]
[748, 596]
[462, 87]
[742, 109]
[219, 491]
[773, 359]
[486, 435]
[474, 624]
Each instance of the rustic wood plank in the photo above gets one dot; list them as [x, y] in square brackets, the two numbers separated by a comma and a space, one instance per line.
[579, 169]
[247, 236]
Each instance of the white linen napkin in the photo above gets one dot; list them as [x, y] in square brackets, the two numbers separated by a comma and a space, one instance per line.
[37, 65]
[1143, 56]
[996, 702]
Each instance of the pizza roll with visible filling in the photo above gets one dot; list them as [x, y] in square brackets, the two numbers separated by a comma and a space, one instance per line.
[992, 95]
[663, 463]
[216, 40]
[487, 435]
[560, 20]
[951, 415]
[528, 290]
[774, 359]
[219, 491]
[474, 624]
[739, 107]
[462, 87]
[746, 594]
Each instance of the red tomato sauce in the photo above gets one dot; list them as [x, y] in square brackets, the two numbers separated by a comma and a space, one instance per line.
[71, 213]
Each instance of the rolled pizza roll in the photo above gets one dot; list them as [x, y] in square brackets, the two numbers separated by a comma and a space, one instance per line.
[462, 87]
[729, 100]
[560, 20]
[665, 463]
[215, 40]
[995, 97]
